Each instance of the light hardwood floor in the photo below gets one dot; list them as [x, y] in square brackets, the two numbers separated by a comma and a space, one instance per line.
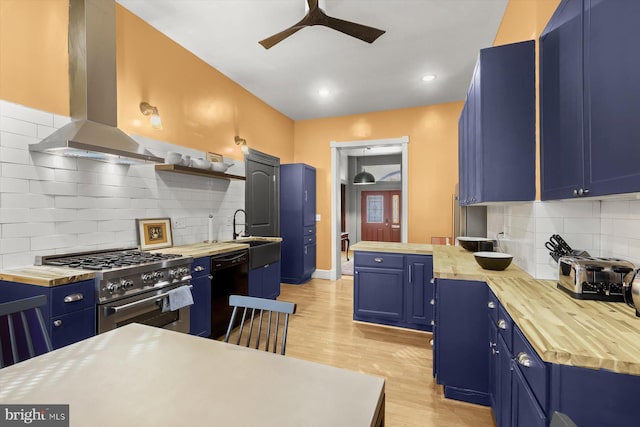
[322, 330]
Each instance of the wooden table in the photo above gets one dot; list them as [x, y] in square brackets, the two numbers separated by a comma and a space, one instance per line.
[140, 376]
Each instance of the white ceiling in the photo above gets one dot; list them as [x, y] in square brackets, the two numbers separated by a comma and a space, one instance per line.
[440, 37]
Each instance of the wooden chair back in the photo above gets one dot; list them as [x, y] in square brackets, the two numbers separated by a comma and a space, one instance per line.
[263, 320]
[19, 332]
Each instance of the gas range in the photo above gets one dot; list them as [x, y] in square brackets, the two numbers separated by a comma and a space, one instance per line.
[125, 272]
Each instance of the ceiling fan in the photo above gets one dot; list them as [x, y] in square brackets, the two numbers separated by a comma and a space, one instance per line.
[316, 16]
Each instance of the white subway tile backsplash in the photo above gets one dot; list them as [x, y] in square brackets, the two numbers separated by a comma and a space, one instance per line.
[12, 140]
[26, 114]
[11, 170]
[582, 225]
[27, 229]
[14, 245]
[618, 209]
[14, 155]
[53, 188]
[54, 204]
[51, 242]
[14, 185]
[20, 127]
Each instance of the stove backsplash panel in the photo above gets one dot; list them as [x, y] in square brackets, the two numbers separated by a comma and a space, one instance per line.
[52, 204]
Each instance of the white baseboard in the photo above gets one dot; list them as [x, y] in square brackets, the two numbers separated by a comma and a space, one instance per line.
[322, 274]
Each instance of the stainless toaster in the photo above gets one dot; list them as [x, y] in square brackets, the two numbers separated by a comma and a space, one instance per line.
[595, 278]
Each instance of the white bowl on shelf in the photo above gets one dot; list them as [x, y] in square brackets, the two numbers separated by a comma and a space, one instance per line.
[173, 158]
[219, 167]
[200, 163]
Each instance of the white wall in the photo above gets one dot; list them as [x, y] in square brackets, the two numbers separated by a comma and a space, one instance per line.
[51, 204]
[607, 228]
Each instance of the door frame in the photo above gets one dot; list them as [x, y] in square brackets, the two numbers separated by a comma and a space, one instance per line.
[336, 147]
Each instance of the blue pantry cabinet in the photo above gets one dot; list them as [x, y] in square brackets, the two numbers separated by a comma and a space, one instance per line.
[393, 289]
[200, 311]
[497, 127]
[589, 98]
[297, 222]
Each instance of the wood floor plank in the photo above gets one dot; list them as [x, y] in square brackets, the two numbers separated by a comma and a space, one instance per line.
[322, 330]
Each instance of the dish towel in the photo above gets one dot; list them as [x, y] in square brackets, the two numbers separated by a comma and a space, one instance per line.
[177, 299]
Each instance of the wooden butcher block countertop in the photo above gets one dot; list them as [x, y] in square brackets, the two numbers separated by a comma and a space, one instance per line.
[207, 249]
[45, 275]
[404, 248]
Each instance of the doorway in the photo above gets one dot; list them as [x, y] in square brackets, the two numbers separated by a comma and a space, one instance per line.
[338, 158]
[380, 216]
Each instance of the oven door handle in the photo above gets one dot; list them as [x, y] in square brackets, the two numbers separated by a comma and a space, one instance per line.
[139, 302]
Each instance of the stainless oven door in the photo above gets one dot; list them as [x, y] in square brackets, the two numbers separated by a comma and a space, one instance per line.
[145, 308]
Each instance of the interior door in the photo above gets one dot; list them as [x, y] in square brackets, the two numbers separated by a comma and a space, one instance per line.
[262, 194]
[380, 216]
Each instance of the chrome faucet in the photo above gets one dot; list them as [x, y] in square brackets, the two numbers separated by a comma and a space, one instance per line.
[244, 233]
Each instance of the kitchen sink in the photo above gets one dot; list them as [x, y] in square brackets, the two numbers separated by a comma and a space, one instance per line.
[262, 252]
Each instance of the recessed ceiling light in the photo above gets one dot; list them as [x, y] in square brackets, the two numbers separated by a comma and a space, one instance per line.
[428, 77]
[324, 92]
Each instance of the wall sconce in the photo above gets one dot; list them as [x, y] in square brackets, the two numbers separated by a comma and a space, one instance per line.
[149, 110]
[242, 143]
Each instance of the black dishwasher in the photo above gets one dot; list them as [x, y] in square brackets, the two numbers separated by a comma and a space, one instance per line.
[229, 275]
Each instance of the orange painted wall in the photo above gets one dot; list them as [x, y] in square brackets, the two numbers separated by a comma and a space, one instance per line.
[200, 107]
[33, 54]
[433, 163]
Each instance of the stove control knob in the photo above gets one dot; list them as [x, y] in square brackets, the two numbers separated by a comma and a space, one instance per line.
[126, 284]
[183, 271]
[158, 275]
[173, 274]
[113, 287]
[147, 276]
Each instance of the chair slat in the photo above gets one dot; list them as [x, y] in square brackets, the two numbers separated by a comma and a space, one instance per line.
[273, 330]
[16, 311]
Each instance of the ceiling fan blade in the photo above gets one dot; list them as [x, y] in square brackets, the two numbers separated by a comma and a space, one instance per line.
[359, 31]
[313, 4]
[269, 42]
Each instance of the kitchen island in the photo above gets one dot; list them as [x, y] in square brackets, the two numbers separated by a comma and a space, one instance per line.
[140, 375]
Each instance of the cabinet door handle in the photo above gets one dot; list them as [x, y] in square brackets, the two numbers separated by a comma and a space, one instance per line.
[73, 298]
[432, 322]
[523, 359]
[410, 275]
[198, 268]
[210, 276]
[432, 281]
[432, 302]
[305, 195]
[502, 324]
[57, 322]
[575, 191]
[378, 260]
[491, 305]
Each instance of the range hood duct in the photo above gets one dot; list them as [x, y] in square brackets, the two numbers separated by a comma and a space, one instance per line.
[93, 131]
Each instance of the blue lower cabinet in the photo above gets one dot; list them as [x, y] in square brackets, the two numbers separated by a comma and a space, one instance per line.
[525, 410]
[461, 340]
[264, 282]
[502, 408]
[378, 294]
[200, 310]
[393, 289]
[70, 313]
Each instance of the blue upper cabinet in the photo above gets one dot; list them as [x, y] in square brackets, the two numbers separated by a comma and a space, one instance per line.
[497, 127]
[589, 98]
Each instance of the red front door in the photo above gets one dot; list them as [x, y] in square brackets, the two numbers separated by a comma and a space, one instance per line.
[380, 216]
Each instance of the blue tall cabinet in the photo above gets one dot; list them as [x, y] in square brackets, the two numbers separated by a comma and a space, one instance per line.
[496, 137]
[297, 222]
[589, 99]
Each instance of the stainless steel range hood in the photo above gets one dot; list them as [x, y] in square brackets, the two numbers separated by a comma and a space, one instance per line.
[93, 132]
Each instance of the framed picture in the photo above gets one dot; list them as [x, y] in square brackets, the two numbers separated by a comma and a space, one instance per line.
[154, 233]
[214, 157]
